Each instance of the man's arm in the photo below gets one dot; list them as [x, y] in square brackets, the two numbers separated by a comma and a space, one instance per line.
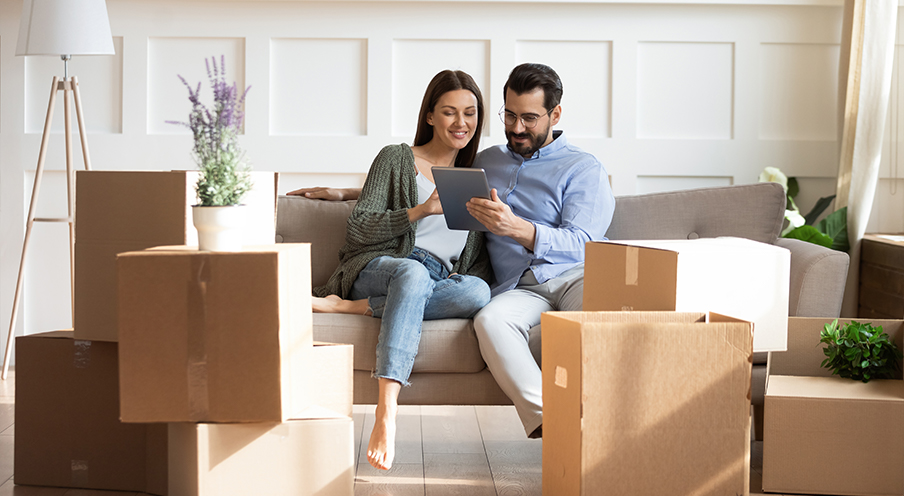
[330, 194]
[587, 209]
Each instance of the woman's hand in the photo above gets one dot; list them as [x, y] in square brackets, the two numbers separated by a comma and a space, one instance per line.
[329, 194]
[430, 207]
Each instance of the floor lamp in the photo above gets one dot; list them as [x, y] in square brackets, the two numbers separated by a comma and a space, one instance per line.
[60, 28]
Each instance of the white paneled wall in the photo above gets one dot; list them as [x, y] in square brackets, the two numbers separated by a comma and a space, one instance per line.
[668, 95]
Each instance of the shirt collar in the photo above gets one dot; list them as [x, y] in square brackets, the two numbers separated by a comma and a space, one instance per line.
[558, 142]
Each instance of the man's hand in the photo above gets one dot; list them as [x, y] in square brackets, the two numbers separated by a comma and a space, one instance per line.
[329, 194]
[499, 219]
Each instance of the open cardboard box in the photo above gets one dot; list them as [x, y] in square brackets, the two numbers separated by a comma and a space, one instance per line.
[731, 276]
[646, 403]
[120, 211]
[824, 434]
[215, 337]
[68, 432]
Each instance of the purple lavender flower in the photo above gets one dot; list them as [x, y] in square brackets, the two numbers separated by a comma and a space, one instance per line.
[224, 174]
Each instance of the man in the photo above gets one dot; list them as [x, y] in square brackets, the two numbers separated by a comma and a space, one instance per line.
[548, 199]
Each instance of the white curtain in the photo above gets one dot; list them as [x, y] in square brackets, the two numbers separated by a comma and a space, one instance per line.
[867, 56]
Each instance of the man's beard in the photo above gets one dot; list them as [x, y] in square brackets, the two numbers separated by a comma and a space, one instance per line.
[529, 148]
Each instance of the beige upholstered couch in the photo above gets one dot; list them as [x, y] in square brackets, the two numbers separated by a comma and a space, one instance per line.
[449, 368]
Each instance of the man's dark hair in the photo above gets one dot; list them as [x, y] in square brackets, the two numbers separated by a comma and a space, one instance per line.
[528, 77]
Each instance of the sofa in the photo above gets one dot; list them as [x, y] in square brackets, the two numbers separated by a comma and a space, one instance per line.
[449, 368]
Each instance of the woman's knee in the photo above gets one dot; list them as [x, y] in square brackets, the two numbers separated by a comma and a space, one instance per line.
[412, 275]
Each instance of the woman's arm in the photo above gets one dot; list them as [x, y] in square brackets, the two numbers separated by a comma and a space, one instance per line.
[330, 194]
[382, 212]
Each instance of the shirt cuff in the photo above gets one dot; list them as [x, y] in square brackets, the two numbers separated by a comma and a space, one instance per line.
[542, 240]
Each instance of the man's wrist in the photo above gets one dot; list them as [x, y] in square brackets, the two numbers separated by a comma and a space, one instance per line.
[527, 233]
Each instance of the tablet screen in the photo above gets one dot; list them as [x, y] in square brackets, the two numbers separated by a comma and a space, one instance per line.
[455, 186]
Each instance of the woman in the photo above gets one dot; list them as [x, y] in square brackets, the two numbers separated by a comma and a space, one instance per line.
[400, 262]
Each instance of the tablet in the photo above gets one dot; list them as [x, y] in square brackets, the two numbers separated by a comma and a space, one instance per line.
[457, 185]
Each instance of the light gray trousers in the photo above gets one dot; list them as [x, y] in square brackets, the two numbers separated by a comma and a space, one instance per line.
[508, 330]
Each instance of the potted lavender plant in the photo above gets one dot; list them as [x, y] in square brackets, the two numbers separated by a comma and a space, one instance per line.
[225, 176]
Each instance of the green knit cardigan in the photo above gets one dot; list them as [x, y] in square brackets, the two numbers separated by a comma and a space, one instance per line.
[379, 224]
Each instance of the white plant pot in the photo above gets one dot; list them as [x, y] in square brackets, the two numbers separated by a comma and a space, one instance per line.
[219, 228]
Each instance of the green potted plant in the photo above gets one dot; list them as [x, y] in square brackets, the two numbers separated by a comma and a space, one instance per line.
[225, 176]
[859, 351]
[830, 232]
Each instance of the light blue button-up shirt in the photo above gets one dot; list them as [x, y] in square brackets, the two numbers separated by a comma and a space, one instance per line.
[563, 191]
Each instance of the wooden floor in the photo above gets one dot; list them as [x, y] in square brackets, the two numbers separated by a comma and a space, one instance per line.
[454, 450]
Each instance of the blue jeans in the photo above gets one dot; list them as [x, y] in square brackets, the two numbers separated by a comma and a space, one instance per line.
[404, 292]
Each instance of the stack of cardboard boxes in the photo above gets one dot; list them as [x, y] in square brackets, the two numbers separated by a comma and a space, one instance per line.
[645, 392]
[188, 373]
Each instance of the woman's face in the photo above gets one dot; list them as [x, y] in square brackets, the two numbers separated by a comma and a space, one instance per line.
[454, 118]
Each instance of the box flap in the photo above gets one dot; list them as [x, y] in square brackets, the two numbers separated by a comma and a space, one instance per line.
[783, 386]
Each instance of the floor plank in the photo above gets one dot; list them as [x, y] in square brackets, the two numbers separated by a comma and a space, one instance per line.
[516, 466]
[454, 474]
[7, 415]
[6, 457]
[450, 429]
[499, 423]
[403, 479]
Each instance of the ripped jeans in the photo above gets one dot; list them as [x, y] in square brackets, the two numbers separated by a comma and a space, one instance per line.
[404, 292]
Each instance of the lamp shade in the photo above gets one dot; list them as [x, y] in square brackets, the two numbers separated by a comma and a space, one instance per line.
[64, 27]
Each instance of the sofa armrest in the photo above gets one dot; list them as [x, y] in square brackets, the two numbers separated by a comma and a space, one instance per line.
[818, 276]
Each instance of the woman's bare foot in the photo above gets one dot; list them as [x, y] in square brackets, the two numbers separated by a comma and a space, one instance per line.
[335, 304]
[381, 448]
[326, 305]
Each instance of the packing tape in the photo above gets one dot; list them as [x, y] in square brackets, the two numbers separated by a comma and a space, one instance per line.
[632, 256]
[196, 369]
[81, 356]
[79, 473]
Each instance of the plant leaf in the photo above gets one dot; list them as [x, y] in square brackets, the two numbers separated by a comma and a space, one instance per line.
[821, 204]
[835, 227]
[793, 187]
[811, 235]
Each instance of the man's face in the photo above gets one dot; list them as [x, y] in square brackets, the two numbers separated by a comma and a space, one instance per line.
[521, 139]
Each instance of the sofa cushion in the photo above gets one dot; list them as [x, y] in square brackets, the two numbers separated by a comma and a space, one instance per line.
[753, 211]
[319, 222]
[447, 345]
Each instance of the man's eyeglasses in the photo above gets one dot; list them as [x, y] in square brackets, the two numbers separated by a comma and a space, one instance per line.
[529, 121]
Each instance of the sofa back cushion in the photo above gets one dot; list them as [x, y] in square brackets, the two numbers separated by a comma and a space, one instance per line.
[319, 222]
[753, 211]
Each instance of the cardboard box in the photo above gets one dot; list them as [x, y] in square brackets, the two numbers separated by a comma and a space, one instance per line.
[120, 211]
[68, 432]
[295, 458]
[646, 403]
[731, 276]
[827, 435]
[214, 337]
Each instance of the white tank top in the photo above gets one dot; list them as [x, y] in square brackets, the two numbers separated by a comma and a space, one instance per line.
[432, 234]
